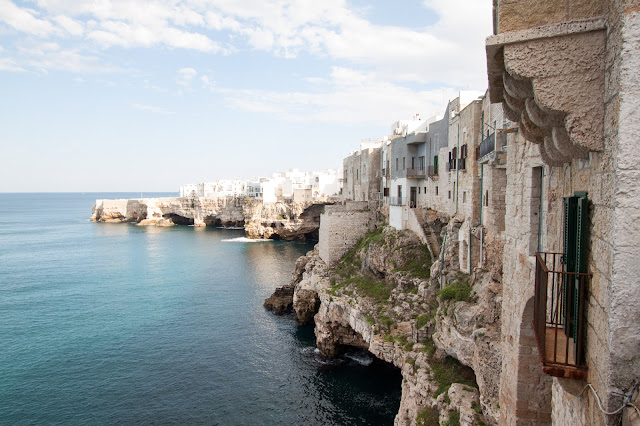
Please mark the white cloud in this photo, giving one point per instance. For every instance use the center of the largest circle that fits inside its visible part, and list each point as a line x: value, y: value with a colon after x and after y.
x: 351, y: 97
x: 206, y: 82
x: 451, y: 50
x: 45, y: 56
x: 185, y: 75
x: 23, y: 19
x: 71, y: 26
x: 154, y: 109
x: 8, y: 64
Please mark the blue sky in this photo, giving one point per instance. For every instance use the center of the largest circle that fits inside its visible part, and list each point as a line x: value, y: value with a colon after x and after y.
x: 132, y: 95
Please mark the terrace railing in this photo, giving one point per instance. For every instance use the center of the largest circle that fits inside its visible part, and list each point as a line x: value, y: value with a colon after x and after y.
x: 416, y: 173
x: 396, y: 201
x: 558, y: 317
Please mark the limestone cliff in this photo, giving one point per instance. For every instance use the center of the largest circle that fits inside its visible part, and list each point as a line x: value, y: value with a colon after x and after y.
x: 287, y: 221
x: 381, y: 297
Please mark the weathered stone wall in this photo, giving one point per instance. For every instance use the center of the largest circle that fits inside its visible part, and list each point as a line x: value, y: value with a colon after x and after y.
x: 609, y: 174
x: 341, y: 227
x: 494, y: 188
x: 362, y: 175
x: 524, y: 14
x: 468, y: 179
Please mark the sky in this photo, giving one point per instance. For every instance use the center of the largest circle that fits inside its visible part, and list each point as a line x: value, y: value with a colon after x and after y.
x: 132, y: 95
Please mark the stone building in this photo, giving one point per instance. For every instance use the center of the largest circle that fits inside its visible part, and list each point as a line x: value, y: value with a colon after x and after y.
x: 566, y: 72
x: 412, y: 167
x: 362, y: 174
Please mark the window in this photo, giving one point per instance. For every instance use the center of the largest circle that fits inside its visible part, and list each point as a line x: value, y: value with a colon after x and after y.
x: 486, y: 198
x: 404, y: 165
x: 425, y: 189
x: 357, y: 174
x: 397, y: 164
x: 418, y: 190
x: 464, y: 196
x: 449, y: 194
x: 436, y: 190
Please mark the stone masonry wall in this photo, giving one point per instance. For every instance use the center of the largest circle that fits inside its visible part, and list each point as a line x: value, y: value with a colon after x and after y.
x: 340, y: 229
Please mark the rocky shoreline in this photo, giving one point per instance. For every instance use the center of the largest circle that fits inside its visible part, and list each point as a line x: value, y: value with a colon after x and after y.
x: 287, y: 221
x: 384, y: 296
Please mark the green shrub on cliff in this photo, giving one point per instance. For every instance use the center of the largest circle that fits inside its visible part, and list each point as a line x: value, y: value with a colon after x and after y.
x: 419, y: 266
x: 427, y: 417
x: 454, y: 418
x: 458, y: 290
x: 449, y: 371
x: 378, y: 290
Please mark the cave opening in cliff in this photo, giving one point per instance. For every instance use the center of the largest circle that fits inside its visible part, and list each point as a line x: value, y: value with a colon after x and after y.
x: 178, y: 220
x: 355, y: 382
x: 212, y: 221
x: 312, y: 236
x: 275, y: 237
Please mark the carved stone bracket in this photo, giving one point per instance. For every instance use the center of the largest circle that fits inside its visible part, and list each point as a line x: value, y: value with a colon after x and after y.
x: 550, y: 80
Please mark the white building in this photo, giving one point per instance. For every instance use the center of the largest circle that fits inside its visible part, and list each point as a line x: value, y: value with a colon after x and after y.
x: 290, y: 185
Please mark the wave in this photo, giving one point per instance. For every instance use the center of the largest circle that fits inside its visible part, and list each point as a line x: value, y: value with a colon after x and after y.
x: 360, y: 358
x: 243, y: 240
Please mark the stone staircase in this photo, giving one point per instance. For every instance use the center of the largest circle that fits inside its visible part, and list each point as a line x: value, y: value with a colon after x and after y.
x: 428, y: 224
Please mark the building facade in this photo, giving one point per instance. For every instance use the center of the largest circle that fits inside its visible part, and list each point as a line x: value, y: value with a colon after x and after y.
x: 566, y: 73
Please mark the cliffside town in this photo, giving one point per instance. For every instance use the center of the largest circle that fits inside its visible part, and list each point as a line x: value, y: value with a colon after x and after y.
x: 491, y: 253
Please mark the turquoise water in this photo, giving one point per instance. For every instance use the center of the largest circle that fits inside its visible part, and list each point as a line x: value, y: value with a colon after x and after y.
x: 118, y: 324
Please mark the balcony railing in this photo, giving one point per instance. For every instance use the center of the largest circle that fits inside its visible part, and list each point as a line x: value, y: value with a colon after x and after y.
x: 488, y: 145
x: 396, y: 201
x: 462, y: 163
x: 558, y: 317
x: 416, y: 173
x: 432, y: 170
x: 451, y: 165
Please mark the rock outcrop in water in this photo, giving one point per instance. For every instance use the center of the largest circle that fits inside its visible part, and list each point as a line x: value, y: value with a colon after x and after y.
x: 383, y: 297
x: 286, y: 221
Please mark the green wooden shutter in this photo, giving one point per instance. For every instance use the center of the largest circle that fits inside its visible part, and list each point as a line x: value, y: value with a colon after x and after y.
x: 574, y: 256
x: 568, y: 258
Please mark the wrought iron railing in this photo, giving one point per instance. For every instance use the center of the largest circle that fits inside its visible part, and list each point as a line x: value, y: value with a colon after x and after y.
x: 396, y: 201
x: 432, y: 170
x: 488, y: 145
x: 558, y: 317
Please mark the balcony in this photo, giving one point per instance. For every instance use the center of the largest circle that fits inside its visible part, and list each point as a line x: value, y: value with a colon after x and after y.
x: 462, y: 163
x: 416, y: 173
x: 396, y: 201
x: 451, y: 164
x: 488, y: 145
x: 558, y: 317
x: 432, y: 170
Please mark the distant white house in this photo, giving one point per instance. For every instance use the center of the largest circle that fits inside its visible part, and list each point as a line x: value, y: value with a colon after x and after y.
x: 290, y: 185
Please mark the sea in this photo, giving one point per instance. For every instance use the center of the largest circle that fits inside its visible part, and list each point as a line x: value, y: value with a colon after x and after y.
x: 119, y: 324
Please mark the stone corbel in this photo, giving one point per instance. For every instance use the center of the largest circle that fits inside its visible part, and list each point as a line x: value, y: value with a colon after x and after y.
x: 550, y: 81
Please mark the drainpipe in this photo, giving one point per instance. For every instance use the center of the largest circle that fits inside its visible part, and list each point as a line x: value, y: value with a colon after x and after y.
x: 470, y: 261
x: 458, y: 164
x: 444, y: 245
x: 481, y: 187
x: 481, y: 243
